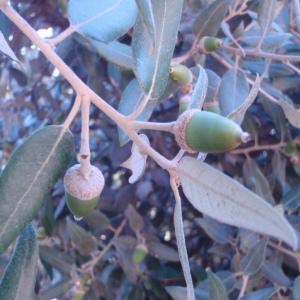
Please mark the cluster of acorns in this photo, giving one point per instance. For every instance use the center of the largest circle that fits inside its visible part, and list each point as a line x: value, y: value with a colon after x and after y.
x: 195, y: 131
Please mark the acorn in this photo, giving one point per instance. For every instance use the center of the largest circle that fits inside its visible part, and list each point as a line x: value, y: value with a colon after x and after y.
x: 210, y: 44
x: 212, y: 106
x: 139, y: 254
x: 82, y: 194
x: 203, y: 131
x: 181, y: 74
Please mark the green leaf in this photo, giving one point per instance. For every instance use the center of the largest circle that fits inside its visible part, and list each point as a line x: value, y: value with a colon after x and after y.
x: 83, y: 241
x: 296, y: 289
x: 263, y: 294
x: 219, y: 232
x: 135, y: 220
x: 209, y: 20
x: 105, y: 21
x: 224, y: 199
x: 19, y: 278
x: 130, y: 100
x: 56, y: 259
x: 5, y: 48
x: 179, y: 293
x: 182, y: 250
x: 147, y: 16
x: 216, y: 288
x: 200, y: 89
x: 28, y: 176
x: 257, y: 180
x: 115, y: 52
x: 233, y: 91
x: 239, y: 113
x: 253, y: 261
x: 153, y: 63
x: 291, y: 200
x: 274, y: 272
x: 291, y: 113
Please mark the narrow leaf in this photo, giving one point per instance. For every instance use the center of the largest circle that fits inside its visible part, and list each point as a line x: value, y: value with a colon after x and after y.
x: 182, y: 251
x: 162, y: 251
x: 153, y: 64
x: 5, y: 48
x: 253, y: 261
x: 103, y: 20
x: 19, y: 278
x: 274, y: 272
x: 216, y: 288
x: 83, y: 241
x: 27, y: 177
x: 209, y: 20
x: 115, y: 52
x: 291, y: 113
x: 239, y: 113
x: 179, y: 293
x: 233, y: 91
x: 147, y: 16
x: 135, y: 219
x: 220, y: 197
x: 199, y: 93
x: 137, y: 161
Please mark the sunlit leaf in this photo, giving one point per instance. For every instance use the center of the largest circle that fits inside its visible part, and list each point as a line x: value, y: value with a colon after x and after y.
x: 103, y: 20
x: 220, y: 197
x: 153, y: 63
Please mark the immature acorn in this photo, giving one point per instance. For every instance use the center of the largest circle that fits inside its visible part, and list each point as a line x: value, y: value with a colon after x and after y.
x: 139, y: 254
x: 210, y: 44
x: 181, y: 74
x: 82, y: 194
x: 203, y: 131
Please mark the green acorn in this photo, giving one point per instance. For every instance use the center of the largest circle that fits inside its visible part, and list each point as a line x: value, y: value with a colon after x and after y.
x: 210, y: 44
x: 82, y: 194
x: 203, y: 131
x: 139, y: 254
x: 181, y: 74
x: 212, y: 106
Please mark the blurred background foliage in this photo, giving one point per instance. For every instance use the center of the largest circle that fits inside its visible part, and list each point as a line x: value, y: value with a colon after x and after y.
x: 126, y: 249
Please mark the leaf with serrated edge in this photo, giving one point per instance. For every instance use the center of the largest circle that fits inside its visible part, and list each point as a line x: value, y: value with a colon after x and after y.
x: 239, y: 113
x: 220, y: 197
x: 137, y: 161
x: 153, y: 64
x: 199, y: 93
x: 209, y: 20
x: 105, y: 21
x: 19, y: 278
x: 28, y: 175
x: 5, y: 48
x: 291, y: 113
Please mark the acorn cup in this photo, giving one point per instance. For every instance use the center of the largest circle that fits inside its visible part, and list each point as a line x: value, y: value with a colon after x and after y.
x: 82, y: 194
x: 208, y: 132
x: 181, y: 74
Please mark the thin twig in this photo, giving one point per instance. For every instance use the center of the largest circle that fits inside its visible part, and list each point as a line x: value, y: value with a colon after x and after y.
x: 263, y: 54
x: 258, y: 148
x: 244, y: 286
x: 153, y: 125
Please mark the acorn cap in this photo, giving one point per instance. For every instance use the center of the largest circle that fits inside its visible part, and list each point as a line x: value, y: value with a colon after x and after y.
x: 77, y: 186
